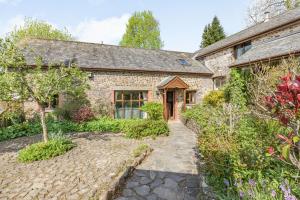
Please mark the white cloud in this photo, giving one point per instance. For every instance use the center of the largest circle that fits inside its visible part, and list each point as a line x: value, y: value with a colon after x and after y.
x: 12, y: 23
x: 109, y: 30
x: 12, y: 2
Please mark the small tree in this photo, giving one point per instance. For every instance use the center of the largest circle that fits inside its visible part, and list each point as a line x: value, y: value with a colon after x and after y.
x: 275, y: 93
x: 284, y: 104
x: 19, y: 82
x: 142, y: 32
x: 213, y: 33
x: 38, y: 29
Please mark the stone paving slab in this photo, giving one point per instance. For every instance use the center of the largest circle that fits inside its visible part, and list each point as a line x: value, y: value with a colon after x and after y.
x: 170, y: 172
x: 81, y: 173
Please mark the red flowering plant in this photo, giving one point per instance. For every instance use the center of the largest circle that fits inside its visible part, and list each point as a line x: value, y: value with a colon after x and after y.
x: 284, y: 104
x: 83, y: 114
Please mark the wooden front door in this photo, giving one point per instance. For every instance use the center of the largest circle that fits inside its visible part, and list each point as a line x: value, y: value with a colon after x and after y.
x: 171, y: 104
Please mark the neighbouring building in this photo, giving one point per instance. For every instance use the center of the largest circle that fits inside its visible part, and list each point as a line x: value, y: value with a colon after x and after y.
x: 272, y: 40
x: 123, y: 79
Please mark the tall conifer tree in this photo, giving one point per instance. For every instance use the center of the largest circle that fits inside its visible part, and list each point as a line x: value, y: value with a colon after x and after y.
x: 212, y: 33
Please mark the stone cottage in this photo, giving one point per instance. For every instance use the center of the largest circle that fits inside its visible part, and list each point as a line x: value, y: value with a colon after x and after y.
x: 124, y: 79
x: 272, y: 40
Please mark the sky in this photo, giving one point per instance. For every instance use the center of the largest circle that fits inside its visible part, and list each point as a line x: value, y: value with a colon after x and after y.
x: 181, y: 21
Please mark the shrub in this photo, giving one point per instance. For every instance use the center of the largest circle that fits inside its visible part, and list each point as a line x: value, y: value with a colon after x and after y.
x: 103, y: 124
x: 70, y: 107
x: 240, y: 155
x: 44, y: 151
x: 11, y: 113
x: 19, y: 130
x: 83, y: 114
x: 214, y: 98
x: 143, y: 128
x: 140, y: 150
x: 154, y: 110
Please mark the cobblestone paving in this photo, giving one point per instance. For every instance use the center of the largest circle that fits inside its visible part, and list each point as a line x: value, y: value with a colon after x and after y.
x: 79, y: 174
x: 170, y: 172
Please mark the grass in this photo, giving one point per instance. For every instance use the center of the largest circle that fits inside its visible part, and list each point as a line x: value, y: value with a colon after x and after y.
x: 140, y: 150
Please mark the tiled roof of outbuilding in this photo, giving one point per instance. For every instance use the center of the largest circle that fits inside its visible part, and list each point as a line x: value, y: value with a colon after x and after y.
x: 108, y: 57
x: 273, y: 23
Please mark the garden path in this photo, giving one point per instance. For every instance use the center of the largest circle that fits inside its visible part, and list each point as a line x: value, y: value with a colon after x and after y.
x: 170, y: 172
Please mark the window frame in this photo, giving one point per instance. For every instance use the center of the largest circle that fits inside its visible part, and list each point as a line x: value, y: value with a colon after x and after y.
x: 190, y: 97
x: 244, y: 47
x: 123, y: 101
x: 222, y: 81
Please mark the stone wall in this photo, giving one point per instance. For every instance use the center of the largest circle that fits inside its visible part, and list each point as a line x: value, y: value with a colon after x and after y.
x: 220, y: 61
x: 104, y: 84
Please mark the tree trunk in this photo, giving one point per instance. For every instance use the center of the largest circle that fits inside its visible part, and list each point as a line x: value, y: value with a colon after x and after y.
x: 43, y: 123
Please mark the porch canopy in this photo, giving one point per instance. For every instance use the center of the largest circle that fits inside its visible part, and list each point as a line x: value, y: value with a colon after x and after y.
x: 172, y: 83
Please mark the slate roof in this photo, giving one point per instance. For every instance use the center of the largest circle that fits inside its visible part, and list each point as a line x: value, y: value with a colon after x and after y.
x: 165, y: 81
x: 108, y: 57
x: 275, y: 22
x: 278, y: 47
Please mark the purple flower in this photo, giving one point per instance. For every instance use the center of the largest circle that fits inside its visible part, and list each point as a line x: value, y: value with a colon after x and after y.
x: 287, y: 192
x: 242, y: 194
x: 273, y: 193
x: 226, y: 182
x: 252, y: 182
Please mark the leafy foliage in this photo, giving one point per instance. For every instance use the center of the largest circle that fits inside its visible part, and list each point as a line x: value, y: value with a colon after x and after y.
x: 19, y: 82
x: 12, y: 113
x: 72, y: 105
x: 214, y: 98
x: 83, y: 114
x: 154, y: 110
x: 144, y: 128
x: 140, y: 150
x: 142, y: 32
x: 38, y: 29
x: 212, y: 33
x: 235, y: 91
x: 44, y: 151
x: 284, y: 104
x: 235, y: 142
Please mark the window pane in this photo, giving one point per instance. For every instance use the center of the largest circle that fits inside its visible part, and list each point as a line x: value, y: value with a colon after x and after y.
x: 135, y: 95
x: 135, y: 104
x: 118, y: 95
x: 128, y: 105
x: 127, y: 95
x: 119, y: 113
x: 193, y: 97
x: 136, y: 113
x: 144, y: 96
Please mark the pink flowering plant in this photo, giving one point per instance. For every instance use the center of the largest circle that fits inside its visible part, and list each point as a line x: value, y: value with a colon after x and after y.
x: 284, y: 104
